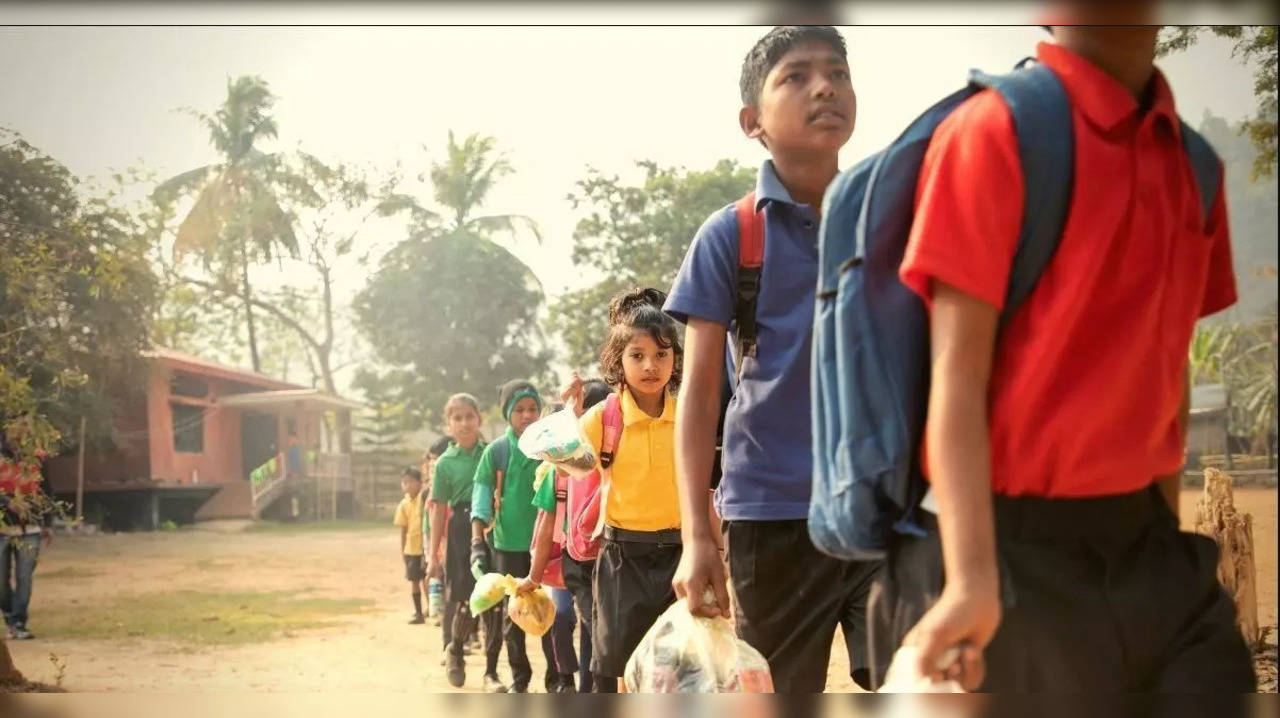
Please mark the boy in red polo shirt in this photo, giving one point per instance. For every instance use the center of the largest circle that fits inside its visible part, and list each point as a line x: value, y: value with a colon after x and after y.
x: 1054, y: 447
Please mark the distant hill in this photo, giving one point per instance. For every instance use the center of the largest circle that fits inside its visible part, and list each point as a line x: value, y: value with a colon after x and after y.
x: 1251, y: 207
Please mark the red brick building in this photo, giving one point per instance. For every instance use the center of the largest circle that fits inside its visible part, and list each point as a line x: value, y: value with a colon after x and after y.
x: 187, y: 443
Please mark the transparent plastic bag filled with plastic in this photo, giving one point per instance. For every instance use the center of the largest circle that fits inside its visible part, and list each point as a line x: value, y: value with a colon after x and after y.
x: 533, y: 612
x: 489, y: 591
x: 683, y: 653
x: 558, y: 439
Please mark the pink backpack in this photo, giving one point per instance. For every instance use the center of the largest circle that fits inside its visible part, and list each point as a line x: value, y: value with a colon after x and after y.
x: 586, y: 495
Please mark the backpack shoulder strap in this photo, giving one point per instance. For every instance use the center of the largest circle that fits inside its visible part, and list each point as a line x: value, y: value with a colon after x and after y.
x: 1041, y: 112
x: 1206, y: 168
x: 750, y: 262
x: 610, y: 429
x: 499, y: 458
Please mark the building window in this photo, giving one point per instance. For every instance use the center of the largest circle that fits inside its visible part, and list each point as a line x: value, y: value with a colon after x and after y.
x: 187, y: 385
x: 188, y: 428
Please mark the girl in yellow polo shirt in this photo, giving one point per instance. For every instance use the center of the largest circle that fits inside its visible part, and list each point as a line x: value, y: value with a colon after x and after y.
x: 641, y: 545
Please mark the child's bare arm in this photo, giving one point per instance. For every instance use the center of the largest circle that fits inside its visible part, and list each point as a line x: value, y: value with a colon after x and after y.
x: 542, y: 545
x: 404, y: 537
x: 963, y: 331
x: 1171, y: 484
x: 437, y: 537
x: 697, y: 412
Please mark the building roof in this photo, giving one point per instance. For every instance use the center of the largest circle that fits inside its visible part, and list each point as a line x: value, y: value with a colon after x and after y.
x: 204, y: 367
x: 307, y: 398
x: 1208, y: 398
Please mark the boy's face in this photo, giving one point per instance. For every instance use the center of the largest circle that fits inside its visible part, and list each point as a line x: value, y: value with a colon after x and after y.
x: 464, y: 426
x: 523, y: 414
x: 807, y: 104
x: 410, y: 485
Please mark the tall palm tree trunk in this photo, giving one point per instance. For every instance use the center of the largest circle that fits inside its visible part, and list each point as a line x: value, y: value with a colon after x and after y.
x: 248, y: 307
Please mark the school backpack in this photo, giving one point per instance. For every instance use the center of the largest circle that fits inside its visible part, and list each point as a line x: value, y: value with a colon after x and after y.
x: 553, y: 574
x: 746, y: 292
x: 586, y: 495
x: 871, y: 342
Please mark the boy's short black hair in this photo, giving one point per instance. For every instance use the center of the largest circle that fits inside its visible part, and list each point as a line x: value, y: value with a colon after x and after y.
x: 776, y: 43
x: 440, y: 446
x: 595, y: 391
x: 411, y: 473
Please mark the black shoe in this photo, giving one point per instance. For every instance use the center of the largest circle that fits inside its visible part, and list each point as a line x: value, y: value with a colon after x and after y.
x: 417, y: 620
x: 493, y: 685
x: 519, y: 688
x: 20, y: 633
x: 455, y: 670
x: 566, y: 684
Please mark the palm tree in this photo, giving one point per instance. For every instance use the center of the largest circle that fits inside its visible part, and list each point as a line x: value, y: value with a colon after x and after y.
x: 236, y: 219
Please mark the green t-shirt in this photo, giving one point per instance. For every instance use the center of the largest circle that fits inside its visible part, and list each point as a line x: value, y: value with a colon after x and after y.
x: 454, y: 471
x: 544, y: 491
x: 513, y: 530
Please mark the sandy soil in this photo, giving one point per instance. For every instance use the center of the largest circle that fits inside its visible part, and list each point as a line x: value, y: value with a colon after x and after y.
x: 369, y: 650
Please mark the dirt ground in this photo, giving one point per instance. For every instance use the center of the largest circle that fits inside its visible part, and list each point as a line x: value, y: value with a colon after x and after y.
x: 218, y: 609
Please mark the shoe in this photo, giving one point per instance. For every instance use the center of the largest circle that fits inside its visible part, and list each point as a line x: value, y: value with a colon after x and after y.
x: 493, y: 685
x: 417, y: 620
x: 22, y: 634
x: 456, y: 672
x: 519, y: 689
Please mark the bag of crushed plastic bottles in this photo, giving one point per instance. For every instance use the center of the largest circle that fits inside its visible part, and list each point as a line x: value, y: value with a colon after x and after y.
x: 490, y: 589
x: 533, y: 612
x: 558, y: 439
x: 684, y: 653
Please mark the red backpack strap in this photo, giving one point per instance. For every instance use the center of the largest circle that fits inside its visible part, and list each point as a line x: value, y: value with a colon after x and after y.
x: 750, y: 261
x: 610, y: 429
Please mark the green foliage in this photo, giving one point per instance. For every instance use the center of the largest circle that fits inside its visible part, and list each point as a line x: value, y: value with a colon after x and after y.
x: 636, y: 235
x: 76, y: 294
x: 448, y: 308
x: 1243, y: 357
x: 1255, y: 46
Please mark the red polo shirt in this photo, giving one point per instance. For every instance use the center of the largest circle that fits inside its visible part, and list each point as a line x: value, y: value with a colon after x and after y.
x: 1089, y: 373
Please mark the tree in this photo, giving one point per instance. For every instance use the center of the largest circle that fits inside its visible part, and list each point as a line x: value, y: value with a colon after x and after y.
x: 237, y: 219
x: 636, y: 235
x: 1254, y: 45
x: 448, y: 306
x: 75, y: 294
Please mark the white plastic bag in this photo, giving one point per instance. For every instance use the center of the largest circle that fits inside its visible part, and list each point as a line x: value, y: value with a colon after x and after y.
x: 904, y: 675
x: 557, y: 438
x: 683, y: 653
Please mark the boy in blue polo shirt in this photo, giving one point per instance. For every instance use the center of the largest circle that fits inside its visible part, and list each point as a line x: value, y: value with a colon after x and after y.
x: 798, y: 101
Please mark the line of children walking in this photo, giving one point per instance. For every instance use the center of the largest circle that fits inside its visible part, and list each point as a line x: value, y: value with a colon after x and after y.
x: 1044, y: 487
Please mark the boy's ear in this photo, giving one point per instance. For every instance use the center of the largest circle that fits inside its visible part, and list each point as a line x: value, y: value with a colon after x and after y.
x: 749, y: 120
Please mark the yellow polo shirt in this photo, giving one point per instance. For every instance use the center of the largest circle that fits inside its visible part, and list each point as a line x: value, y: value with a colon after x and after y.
x: 642, y: 493
x: 409, y: 516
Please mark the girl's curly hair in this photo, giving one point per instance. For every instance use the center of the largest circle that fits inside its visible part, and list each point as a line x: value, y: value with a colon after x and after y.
x: 632, y: 312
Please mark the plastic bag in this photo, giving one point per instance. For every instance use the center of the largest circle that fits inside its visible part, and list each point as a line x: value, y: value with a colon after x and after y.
x: 683, y: 653
x: 558, y: 439
x: 533, y: 612
x: 489, y: 591
x: 904, y: 676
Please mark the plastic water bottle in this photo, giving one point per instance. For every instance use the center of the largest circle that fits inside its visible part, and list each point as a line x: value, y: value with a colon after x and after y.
x: 435, y: 598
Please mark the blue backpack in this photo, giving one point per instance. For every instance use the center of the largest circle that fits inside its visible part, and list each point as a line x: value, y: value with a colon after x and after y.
x: 871, y: 357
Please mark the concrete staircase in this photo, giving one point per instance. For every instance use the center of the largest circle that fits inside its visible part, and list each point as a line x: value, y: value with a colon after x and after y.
x: 233, y: 501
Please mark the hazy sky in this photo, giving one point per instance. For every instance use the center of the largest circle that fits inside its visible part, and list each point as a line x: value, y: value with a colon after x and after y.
x: 557, y: 99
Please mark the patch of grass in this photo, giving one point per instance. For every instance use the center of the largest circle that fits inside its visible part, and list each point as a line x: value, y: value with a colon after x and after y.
x: 314, y: 526
x: 67, y: 572
x: 197, y: 617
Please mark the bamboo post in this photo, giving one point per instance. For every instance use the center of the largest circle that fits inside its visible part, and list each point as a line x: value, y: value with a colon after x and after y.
x: 80, y: 475
x: 1217, y: 518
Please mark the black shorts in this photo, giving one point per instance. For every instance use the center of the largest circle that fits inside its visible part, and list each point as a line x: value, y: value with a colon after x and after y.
x: 414, y: 569
x: 789, y: 597
x: 632, y: 588
x: 458, y: 581
x: 1101, y: 595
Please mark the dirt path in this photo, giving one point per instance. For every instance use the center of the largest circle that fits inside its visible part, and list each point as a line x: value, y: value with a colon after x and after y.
x: 366, y: 646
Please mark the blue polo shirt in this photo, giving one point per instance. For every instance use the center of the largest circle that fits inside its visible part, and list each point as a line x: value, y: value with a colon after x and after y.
x: 767, y: 460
